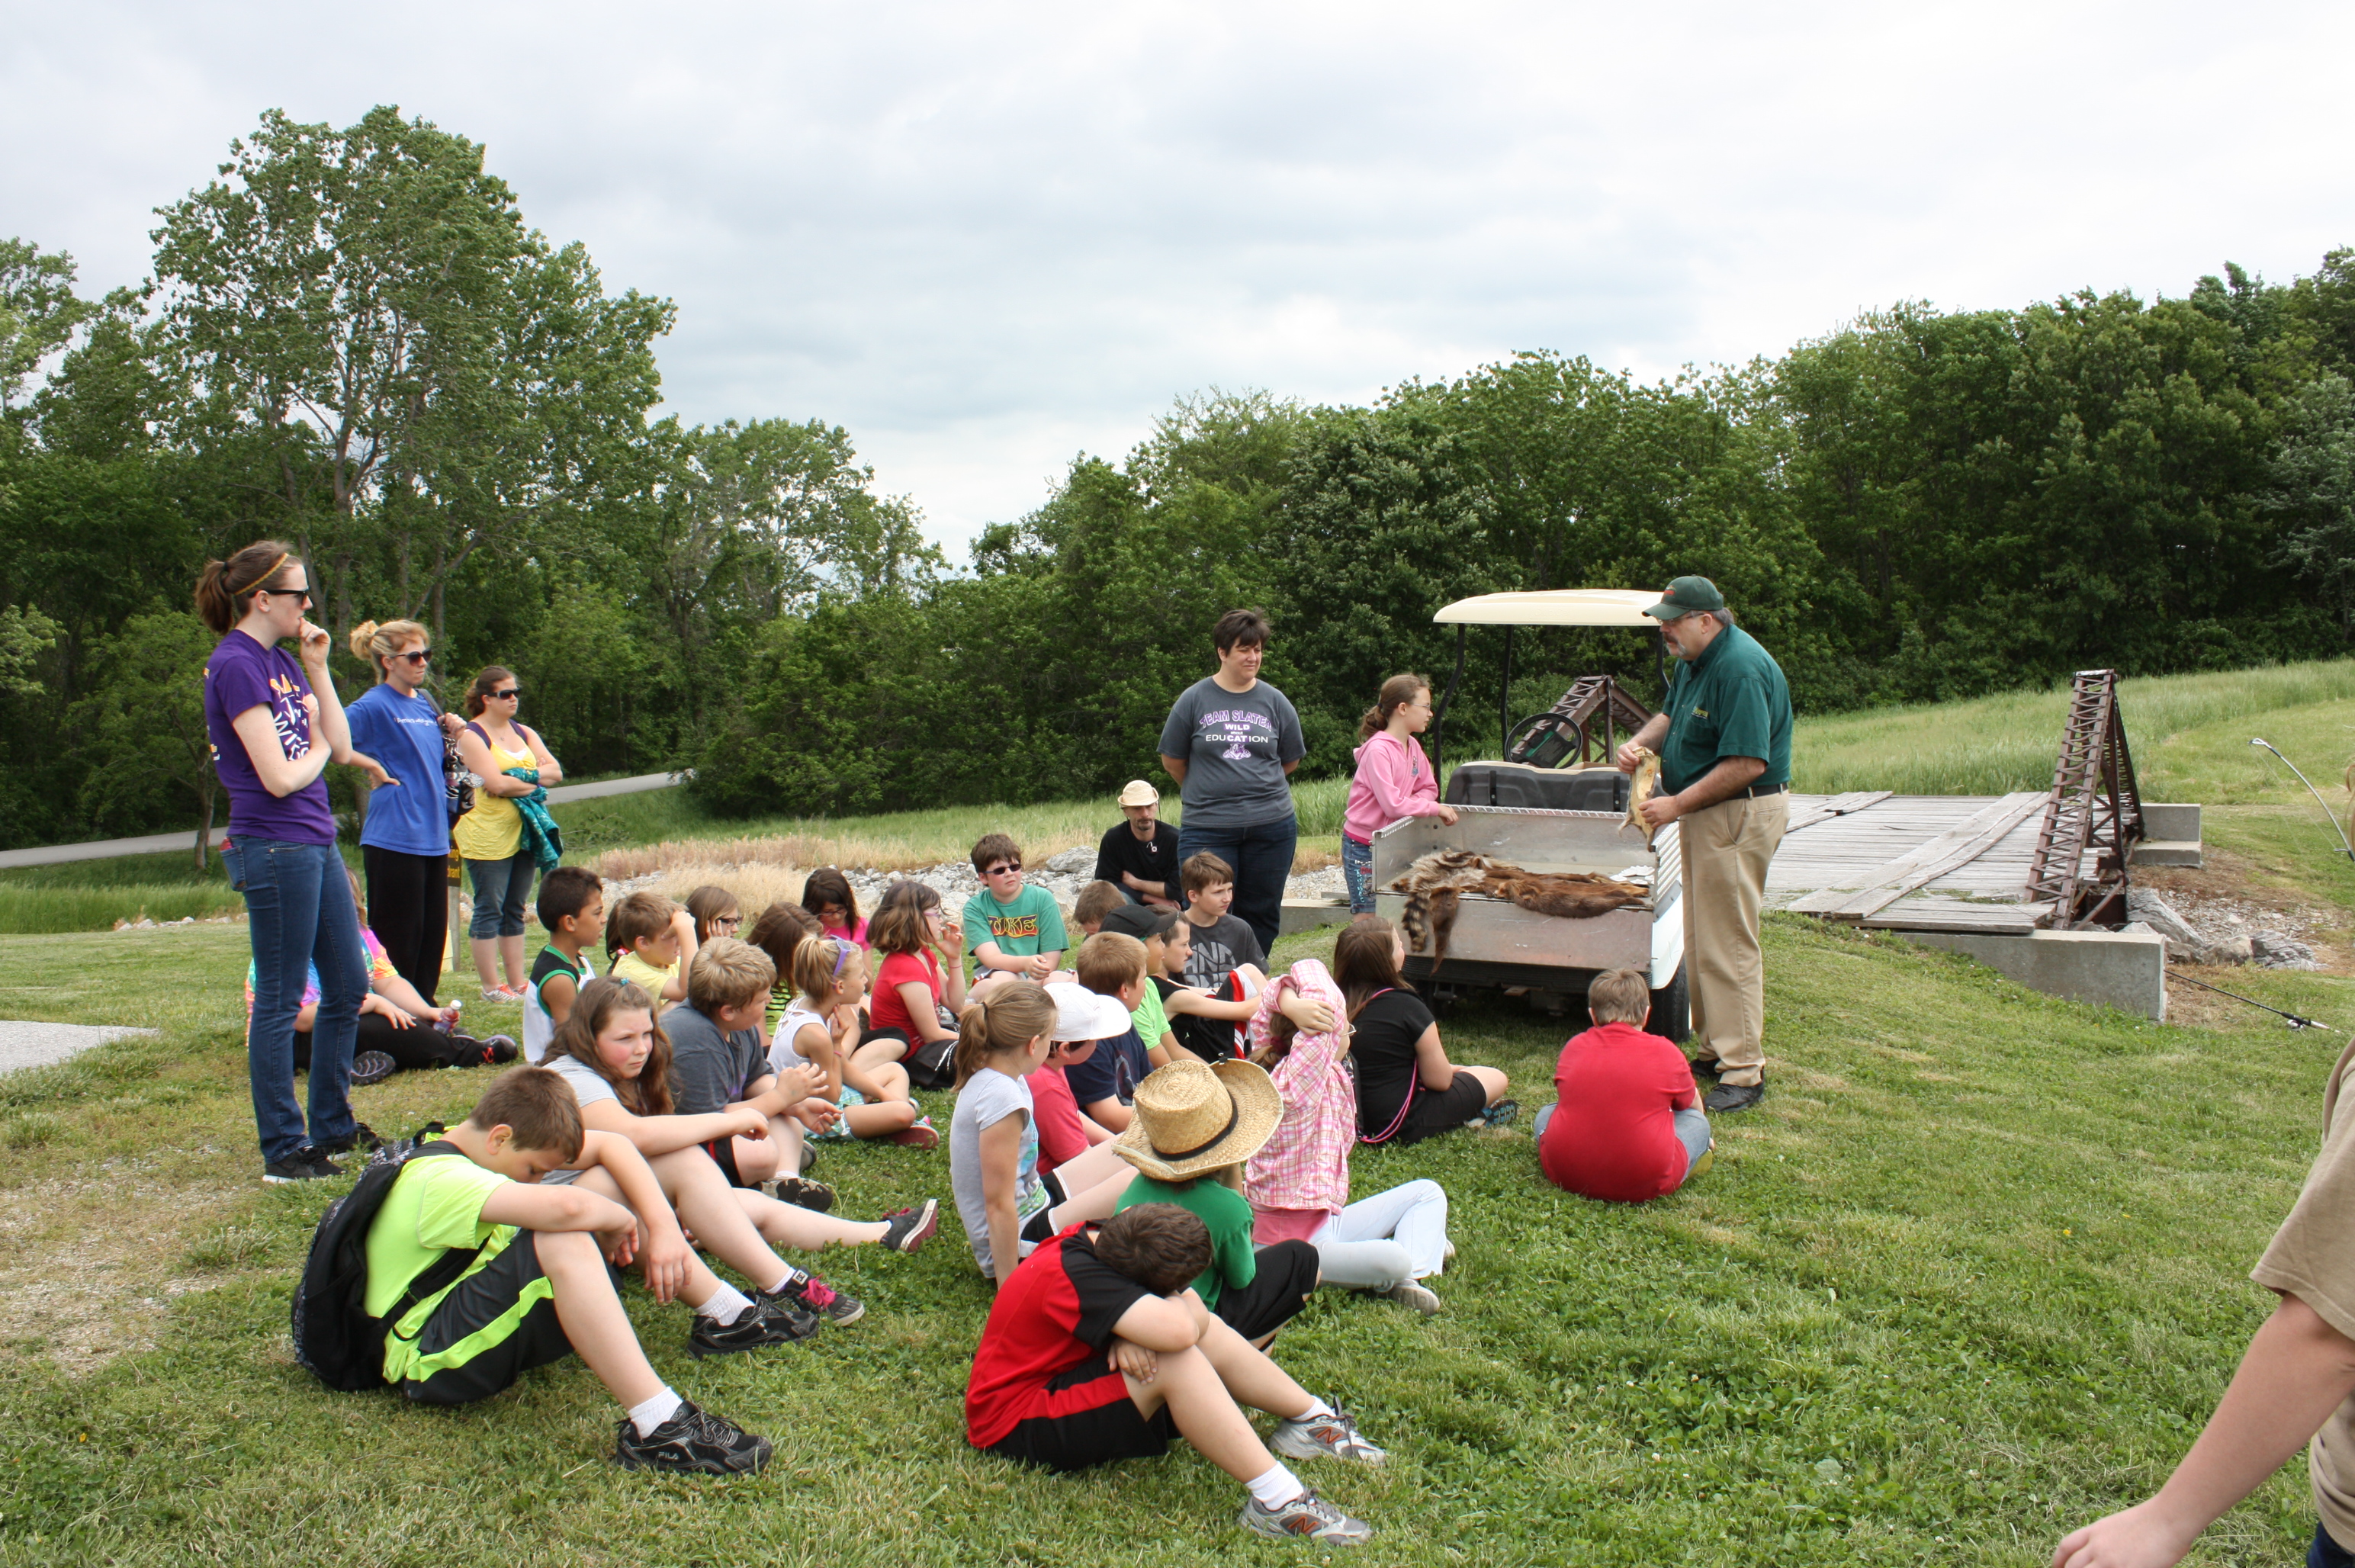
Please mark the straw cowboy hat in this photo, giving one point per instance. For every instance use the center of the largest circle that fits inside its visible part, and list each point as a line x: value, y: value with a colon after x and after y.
x: 1192, y: 1116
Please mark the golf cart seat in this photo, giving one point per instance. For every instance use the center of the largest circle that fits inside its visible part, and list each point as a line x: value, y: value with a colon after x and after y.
x: 1544, y: 789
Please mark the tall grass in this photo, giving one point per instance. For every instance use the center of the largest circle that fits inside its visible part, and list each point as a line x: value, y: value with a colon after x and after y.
x: 38, y: 911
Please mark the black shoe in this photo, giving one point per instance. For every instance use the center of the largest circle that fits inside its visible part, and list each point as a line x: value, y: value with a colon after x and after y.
x: 1500, y: 1113
x: 801, y: 1191
x: 498, y: 1050
x: 770, y: 1321
x: 905, y: 1230
x: 691, y: 1442
x: 372, y: 1067
x: 1728, y: 1098
x: 306, y: 1164
x: 1705, y: 1066
x: 361, y: 1136
x: 807, y: 1294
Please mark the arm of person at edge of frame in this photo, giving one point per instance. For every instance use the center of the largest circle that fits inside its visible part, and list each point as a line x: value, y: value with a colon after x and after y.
x: 2297, y: 1370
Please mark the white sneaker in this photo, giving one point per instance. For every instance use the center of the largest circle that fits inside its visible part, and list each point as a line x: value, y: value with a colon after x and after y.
x: 1415, y: 1294
x: 1333, y: 1437
x: 1307, y: 1516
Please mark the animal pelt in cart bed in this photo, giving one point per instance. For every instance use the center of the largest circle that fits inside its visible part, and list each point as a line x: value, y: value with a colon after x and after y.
x: 1435, y: 884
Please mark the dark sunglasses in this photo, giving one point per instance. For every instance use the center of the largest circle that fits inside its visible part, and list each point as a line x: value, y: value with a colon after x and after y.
x: 302, y: 592
x: 1007, y: 865
x: 508, y: 695
x: 419, y: 656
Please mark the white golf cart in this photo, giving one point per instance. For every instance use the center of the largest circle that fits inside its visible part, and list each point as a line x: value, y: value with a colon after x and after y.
x: 1555, y: 804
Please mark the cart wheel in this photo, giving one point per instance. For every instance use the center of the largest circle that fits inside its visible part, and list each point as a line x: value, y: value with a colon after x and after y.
x: 1672, y: 1010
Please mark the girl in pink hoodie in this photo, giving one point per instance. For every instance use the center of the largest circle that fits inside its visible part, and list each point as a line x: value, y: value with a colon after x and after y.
x: 1394, y: 780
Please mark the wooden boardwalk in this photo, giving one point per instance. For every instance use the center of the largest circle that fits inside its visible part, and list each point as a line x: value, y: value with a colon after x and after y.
x: 1912, y: 862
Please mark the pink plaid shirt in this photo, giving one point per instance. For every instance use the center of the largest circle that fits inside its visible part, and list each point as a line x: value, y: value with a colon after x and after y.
x: 1306, y: 1164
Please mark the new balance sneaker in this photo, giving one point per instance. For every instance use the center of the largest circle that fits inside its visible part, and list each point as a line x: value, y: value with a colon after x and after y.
x: 372, y: 1067
x: 801, y: 1191
x: 306, y: 1164
x: 691, y: 1442
x: 923, y: 1135
x: 770, y: 1322
x: 905, y: 1230
x: 1306, y: 1518
x: 361, y: 1136
x: 809, y: 1293
x: 1334, y: 1436
x: 1415, y: 1294
x: 1500, y: 1113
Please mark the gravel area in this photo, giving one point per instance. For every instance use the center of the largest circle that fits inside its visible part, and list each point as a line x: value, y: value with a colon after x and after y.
x: 40, y: 1044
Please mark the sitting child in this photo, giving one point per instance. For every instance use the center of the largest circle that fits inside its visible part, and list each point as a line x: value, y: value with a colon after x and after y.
x: 1195, y: 1125
x: 1095, y: 1351
x: 1626, y: 1124
x: 715, y: 911
x: 720, y: 1059
x: 1151, y: 927
x: 922, y: 973
x: 1096, y: 901
x: 1222, y: 946
x: 617, y: 1060
x: 827, y: 894
x: 1113, y: 966
x: 538, y: 1287
x: 572, y: 911
x: 1082, y: 1019
x: 1007, y: 1204
x: 1015, y: 930
x: 869, y: 1098
x: 1211, y: 1027
x: 652, y: 940
x: 1407, y: 1089
x: 777, y: 931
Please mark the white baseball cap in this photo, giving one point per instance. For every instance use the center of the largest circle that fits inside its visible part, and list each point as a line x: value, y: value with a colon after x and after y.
x: 1082, y: 1014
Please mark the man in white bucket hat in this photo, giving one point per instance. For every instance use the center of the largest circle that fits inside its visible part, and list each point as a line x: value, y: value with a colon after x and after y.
x: 1139, y: 856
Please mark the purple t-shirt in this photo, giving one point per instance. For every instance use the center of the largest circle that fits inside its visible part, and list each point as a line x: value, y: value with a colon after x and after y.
x: 242, y: 674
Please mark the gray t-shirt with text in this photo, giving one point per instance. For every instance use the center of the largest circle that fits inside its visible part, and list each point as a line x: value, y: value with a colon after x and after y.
x: 1234, y: 745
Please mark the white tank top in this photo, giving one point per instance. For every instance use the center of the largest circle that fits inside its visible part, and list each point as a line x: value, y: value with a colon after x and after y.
x: 782, y: 1054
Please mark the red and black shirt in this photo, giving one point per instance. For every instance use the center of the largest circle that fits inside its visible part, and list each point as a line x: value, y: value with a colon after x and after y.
x: 1058, y: 1311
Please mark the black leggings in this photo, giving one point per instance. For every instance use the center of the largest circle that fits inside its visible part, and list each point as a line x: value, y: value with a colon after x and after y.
x: 417, y: 1048
x: 408, y: 910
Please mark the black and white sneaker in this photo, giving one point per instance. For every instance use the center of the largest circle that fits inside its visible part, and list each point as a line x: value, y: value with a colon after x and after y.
x: 1306, y: 1518
x: 808, y: 1293
x: 800, y: 1190
x: 905, y: 1230
x: 692, y: 1443
x: 306, y: 1164
x: 770, y: 1322
x: 372, y: 1067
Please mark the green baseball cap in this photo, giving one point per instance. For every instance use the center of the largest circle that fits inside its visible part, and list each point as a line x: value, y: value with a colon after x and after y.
x: 1684, y: 596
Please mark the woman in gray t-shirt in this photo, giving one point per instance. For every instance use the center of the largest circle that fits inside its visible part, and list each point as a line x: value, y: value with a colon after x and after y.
x: 1232, y: 741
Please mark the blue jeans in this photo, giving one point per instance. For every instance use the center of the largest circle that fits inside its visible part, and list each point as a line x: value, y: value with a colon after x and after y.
x: 501, y: 887
x: 1261, y: 857
x: 299, y: 912
x: 1691, y: 1130
x: 1358, y: 871
x: 2326, y: 1552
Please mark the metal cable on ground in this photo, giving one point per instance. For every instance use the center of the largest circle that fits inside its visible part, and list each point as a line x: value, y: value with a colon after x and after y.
x: 2294, y: 1020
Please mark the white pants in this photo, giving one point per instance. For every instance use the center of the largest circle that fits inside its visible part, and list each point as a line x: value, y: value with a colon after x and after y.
x: 1386, y: 1240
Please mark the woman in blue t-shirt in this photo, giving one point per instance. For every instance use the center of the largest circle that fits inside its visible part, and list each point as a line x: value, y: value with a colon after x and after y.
x: 266, y: 715
x: 405, y: 842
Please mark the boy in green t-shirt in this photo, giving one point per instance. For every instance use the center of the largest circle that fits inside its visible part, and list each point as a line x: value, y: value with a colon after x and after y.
x: 1195, y: 1125
x: 1015, y: 930
x: 552, y: 1208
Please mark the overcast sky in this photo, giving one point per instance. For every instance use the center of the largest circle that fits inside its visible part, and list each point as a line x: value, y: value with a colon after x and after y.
x: 984, y: 238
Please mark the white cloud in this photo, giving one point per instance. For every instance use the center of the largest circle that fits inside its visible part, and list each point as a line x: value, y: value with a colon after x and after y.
x: 984, y: 237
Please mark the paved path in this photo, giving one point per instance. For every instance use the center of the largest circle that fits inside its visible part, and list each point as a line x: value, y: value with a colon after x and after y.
x: 39, y: 1045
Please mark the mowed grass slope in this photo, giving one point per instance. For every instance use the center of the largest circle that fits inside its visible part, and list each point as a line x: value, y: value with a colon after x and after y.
x: 1975, y: 1272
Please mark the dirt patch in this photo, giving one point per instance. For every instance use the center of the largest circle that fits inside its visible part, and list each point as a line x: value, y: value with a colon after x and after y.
x: 2226, y: 899
x: 93, y: 1263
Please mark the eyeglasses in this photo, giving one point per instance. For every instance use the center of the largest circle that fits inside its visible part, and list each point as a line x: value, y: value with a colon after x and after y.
x: 719, y: 922
x: 1001, y: 870
x: 419, y: 657
x: 509, y: 695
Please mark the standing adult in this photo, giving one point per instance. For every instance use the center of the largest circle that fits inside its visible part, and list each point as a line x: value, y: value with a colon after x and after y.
x: 405, y: 842
x: 1724, y: 744
x: 1232, y: 741
x: 1394, y: 780
x: 1140, y: 855
x: 276, y: 724
x: 490, y: 838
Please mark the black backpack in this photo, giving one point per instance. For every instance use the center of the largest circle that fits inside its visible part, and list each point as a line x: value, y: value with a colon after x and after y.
x: 334, y: 1337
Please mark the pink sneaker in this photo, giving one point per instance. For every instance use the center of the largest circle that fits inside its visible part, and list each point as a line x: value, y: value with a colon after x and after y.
x: 924, y: 1135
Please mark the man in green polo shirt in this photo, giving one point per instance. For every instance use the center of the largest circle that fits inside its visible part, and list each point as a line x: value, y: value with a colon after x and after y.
x: 1724, y: 742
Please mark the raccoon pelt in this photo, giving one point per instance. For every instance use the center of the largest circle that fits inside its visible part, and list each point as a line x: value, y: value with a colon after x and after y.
x: 1428, y: 922
x: 1534, y: 895
x: 1435, y: 885
x: 1647, y: 781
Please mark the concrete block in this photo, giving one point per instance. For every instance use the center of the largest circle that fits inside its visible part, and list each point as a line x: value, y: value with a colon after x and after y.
x: 2126, y: 970
x: 2167, y: 852
x: 1308, y: 914
x: 2178, y: 822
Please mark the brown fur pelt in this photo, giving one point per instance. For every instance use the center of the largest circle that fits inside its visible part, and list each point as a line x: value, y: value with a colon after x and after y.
x: 1647, y: 781
x: 1435, y: 885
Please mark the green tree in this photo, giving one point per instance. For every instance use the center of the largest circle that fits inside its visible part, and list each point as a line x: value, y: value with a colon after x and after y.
x: 38, y: 313
x: 143, y: 726
x: 2313, y: 491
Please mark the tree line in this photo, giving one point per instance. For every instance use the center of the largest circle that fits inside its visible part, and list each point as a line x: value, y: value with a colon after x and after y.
x: 353, y: 340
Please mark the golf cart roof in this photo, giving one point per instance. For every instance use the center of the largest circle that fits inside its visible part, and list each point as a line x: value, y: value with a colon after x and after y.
x: 1554, y: 607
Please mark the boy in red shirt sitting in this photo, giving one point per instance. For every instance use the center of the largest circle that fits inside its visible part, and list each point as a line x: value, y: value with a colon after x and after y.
x: 1627, y: 1124
x: 1098, y: 1350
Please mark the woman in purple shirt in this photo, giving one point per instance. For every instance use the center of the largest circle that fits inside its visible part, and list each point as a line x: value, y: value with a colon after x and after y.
x: 267, y: 716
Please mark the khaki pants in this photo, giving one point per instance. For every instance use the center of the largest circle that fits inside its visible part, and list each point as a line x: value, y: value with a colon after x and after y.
x: 1726, y: 850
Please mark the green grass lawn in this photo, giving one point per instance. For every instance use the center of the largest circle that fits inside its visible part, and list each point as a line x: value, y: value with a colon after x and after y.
x: 1974, y: 1273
